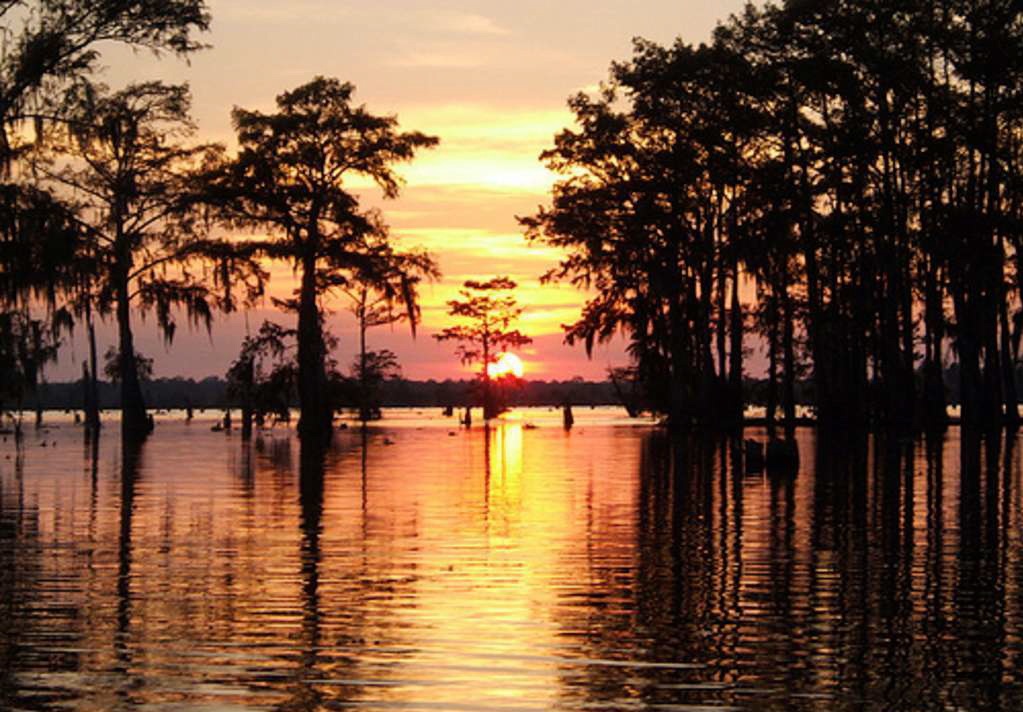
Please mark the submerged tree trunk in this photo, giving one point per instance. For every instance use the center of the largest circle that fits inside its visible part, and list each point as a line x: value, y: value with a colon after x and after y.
x: 771, y: 406
x: 681, y: 389
x: 134, y: 420
x: 935, y: 417
x: 92, y: 422
x: 488, y: 398
x: 735, y: 353
x: 1011, y: 398
x: 968, y: 351
x: 908, y: 355
x: 86, y: 396
x: 248, y: 377
x: 718, y: 381
x: 992, y: 381
x: 364, y: 407
x: 789, y: 366
x: 316, y: 417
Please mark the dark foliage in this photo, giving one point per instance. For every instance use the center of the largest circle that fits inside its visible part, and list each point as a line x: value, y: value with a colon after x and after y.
x: 163, y: 393
x: 289, y: 180
x: 856, y: 164
x: 51, y: 49
x: 262, y: 380
x: 136, y: 194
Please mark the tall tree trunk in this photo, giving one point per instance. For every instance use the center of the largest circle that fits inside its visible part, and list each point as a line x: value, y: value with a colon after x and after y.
x: 682, y: 373
x: 721, y: 335
x: 909, y: 387
x: 935, y: 417
x: 134, y: 420
x: 772, y: 366
x: 249, y: 381
x: 488, y: 397
x: 39, y: 407
x: 789, y: 366
x: 710, y: 409
x: 971, y: 409
x: 993, y: 396
x: 735, y: 353
x: 92, y: 422
x: 363, y: 385
x: 1008, y: 369
x: 316, y: 418
x: 86, y: 397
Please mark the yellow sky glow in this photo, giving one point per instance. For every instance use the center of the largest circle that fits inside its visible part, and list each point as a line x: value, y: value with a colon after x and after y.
x: 489, y: 79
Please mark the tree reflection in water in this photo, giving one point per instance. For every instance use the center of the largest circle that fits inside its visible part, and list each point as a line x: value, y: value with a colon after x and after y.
x: 842, y: 588
x: 124, y: 647
x: 312, y: 462
x: 602, y: 568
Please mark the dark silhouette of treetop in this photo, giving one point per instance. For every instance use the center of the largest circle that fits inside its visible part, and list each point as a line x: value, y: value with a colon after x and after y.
x: 261, y: 379
x: 376, y: 299
x: 119, y: 161
x: 50, y: 51
x: 289, y: 179
x: 55, y: 46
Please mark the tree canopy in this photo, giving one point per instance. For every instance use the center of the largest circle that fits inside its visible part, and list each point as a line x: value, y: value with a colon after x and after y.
x: 852, y: 166
x: 51, y: 46
x: 288, y: 179
x: 120, y: 165
x: 51, y: 50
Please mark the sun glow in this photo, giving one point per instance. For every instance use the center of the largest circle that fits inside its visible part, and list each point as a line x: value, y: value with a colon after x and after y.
x: 507, y: 364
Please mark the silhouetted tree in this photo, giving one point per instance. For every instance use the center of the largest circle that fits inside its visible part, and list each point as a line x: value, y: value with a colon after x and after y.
x: 38, y: 238
x: 628, y: 388
x: 858, y: 162
x: 52, y: 45
x: 136, y: 198
x: 112, y: 367
x: 262, y: 379
x: 375, y: 299
x: 26, y: 346
x: 369, y: 371
x: 51, y: 49
x: 289, y: 179
x: 489, y: 309
x: 646, y: 211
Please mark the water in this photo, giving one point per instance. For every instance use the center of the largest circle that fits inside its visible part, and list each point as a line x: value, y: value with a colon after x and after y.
x: 429, y: 568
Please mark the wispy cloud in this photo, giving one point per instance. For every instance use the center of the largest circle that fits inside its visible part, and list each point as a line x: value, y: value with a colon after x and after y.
x: 463, y: 23
x: 460, y: 40
x: 292, y: 12
x: 437, y: 59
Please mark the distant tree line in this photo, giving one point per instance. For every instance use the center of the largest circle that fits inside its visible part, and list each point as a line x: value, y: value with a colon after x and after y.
x: 855, y: 164
x: 216, y: 392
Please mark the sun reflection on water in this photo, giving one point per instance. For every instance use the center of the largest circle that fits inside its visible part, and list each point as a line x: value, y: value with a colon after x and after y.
x: 518, y: 566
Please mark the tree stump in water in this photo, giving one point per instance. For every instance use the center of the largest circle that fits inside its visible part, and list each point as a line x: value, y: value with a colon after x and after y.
x: 782, y: 457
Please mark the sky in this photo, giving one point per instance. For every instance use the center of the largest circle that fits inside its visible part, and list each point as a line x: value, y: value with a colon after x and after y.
x: 490, y: 79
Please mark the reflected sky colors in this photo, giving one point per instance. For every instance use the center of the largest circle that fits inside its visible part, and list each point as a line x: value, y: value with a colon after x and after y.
x: 424, y: 567
x: 490, y: 79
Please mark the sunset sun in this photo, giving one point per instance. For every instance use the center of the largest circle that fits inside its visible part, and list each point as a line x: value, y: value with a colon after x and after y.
x: 507, y: 365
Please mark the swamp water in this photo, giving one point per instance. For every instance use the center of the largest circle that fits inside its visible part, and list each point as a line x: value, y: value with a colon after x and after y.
x: 425, y: 567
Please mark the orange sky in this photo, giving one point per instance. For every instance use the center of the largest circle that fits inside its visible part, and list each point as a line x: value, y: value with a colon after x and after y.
x: 490, y: 79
